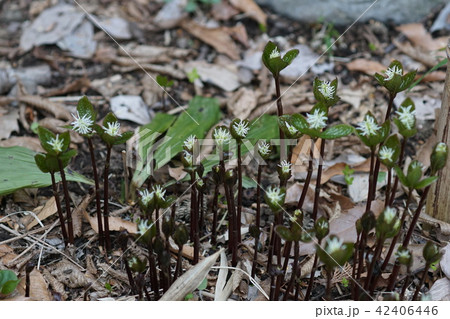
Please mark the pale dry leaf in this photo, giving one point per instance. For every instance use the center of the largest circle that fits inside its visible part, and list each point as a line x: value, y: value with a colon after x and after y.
x: 222, y: 277
x: 232, y: 283
x: 223, y: 11
x: 187, y: 251
x: 54, y: 283
x: 224, y: 77
x: 38, y: 287
x: 440, y: 291
x: 178, y: 173
x: 153, y: 52
x: 239, y: 33
x: 250, y: 8
x: 445, y: 261
x: 115, y: 224
x: 419, y: 36
x: 307, y: 266
x: 443, y: 226
x: 427, y: 58
x: 190, y: 280
x: 218, y: 38
x: 366, y: 66
x: 6, y: 255
x: 77, y: 85
x: 57, y: 109
x: 31, y: 143
x: 77, y: 214
x: 48, y: 210
x: 243, y: 102
x: 116, y: 274
x: 8, y: 122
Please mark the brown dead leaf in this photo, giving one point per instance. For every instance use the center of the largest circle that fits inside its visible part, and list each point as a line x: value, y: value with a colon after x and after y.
x: 187, y: 251
x: 293, y: 195
x: 420, y: 37
x: 57, y: 109
x: 300, y: 154
x: 243, y: 102
x: 435, y: 76
x: 250, y: 8
x: 77, y: 214
x: 6, y: 254
x: 57, y: 286
x: 223, y: 11
x: 32, y: 143
x: 367, y: 66
x: 115, y: 223
x: 443, y: 226
x: 417, y: 53
x: 8, y: 122
x: 155, y: 53
x: 42, y: 213
x: 78, y: 85
x: 38, y: 287
x: 218, y: 38
x: 177, y: 172
x: 239, y: 33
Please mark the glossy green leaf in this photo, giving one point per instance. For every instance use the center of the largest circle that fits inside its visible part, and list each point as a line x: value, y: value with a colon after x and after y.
x: 426, y: 182
x: 8, y: 282
x: 337, y: 131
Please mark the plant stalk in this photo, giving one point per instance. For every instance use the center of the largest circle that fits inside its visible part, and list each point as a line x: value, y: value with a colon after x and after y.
x: 106, y: 199
x: 67, y: 200
x: 301, y: 201
x: 318, y: 181
x: 422, y: 280
x: 258, y: 219
x: 59, y: 209
x: 239, y: 203
x: 101, y: 238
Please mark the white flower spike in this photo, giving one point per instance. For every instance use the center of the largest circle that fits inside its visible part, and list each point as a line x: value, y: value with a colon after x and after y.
x: 441, y: 148
x: 285, y: 167
x: 274, y: 194
x: 327, y: 90
x: 389, y: 214
x: 143, y: 227
x: 334, y: 244
x: 222, y: 136
x: 189, y: 143
x: 82, y: 124
x: 386, y: 153
x: 146, y: 196
x: 56, y: 143
x: 264, y: 148
x: 292, y: 130
x: 404, y: 253
x: 112, y: 129
x: 406, y: 116
x: 241, y: 128
x: 368, y: 127
x: 391, y: 71
x: 317, y: 120
x: 274, y: 54
x: 159, y: 191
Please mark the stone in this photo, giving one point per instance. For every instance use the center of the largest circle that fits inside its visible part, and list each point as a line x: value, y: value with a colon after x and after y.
x: 345, y: 12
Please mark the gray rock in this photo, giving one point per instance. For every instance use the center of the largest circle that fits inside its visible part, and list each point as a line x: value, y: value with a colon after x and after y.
x: 344, y: 12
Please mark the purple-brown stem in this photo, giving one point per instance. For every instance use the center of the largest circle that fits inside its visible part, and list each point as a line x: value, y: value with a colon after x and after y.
x: 67, y: 200
x: 178, y: 266
x: 371, y: 179
x: 258, y: 218
x: 153, y: 271
x: 311, y: 277
x: 294, y: 269
x: 394, y: 275
x: 388, y: 188
x: 106, y: 199
x: 239, y: 203
x: 194, y: 220
x: 279, y: 113
x: 59, y: 209
x: 308, y: 177
x: 130, y: 278
x: 376, y: 255
x: 400, y: 161
x: 422, y: 280
x: 318, y: 181
x: 97, y: 193
x: 214, y: 211
x: 405, y: 284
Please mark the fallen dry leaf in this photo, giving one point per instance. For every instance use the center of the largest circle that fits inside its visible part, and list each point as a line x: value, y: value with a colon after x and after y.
x: 243, y: 102
x: 81, y: 84
x: 115, y: 223
x: 218, y: 38
x: 440, y: 291
x: 42, y: 213
x: 6, y: 254
x: 224, y: 77
x: 419, y: 36
x: 58, y: 110
x: 38, y: 287
x: 32, y: 143
x: 178, y: 173
x: 367, y: 66
x: 445, y: 261
x: 8, y: 122
x: 250, y: 8
x: 77, y: 214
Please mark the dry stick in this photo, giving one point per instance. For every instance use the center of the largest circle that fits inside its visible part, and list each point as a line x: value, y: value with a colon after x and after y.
x: 239, y: 203
x: 59, y: 209
x: 106, y: 199
x: 294, y: 270
x: 400, y: 161
x: 311, y: 277
x: 407, y: 238
x: 97, y: 194
x: 67, y: 200
x: 258, y: 219
x: 308, y: 177
x: 394, y: 240
x: 422, y: 280
x: 318, y: 182
x: 214, y: 211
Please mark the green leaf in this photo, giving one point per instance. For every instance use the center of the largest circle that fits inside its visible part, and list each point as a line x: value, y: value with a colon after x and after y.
x: 108, y: 286
x: 381, y: 177
x: 45, y: 136
x: 290, y: 56
x: 426, y: 182
x: 8, y: 282
x: 203, y: 285
x: 19, y: 170
x: 193, y: 75
x: 337, y: 131
x: 199, y: 117
x: 284, y: 232
x: 248, y: 182
x: 401, y: 176
x: 434, y: 68
x: 41, y: 162
x: 122, y: 139
x: 85, y: 107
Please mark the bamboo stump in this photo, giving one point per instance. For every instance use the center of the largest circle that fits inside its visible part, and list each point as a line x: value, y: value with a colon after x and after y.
x: 438, y: 201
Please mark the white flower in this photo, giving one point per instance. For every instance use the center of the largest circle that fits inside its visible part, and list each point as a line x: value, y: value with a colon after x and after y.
x: 285, y: 167
x: 368, y: 127
x: 386, y: 153
x: 441, y: 148
x: 297, y: 214
x: 222, y: 136
x: 403, y: 253
x: 56, y: 143
x: 327, y: 90
x: 146, y: 196
x: 241, y: 128
x: 317, y: 120
x: 132, y: 261
x: 334, y: 244
x: 143, y: 227
x: 406, y: 116
x: 274, y: 54
x: 274, y: 194
x: 391, y: 71
x: 292, y: 130
x: 323, y: 224
x: 389, y: 214
x: 190, y: 142
x: 82, y: 124
x: 416, y: 165
x: 200, y: 183
x: 264, y: 148
x: 188, y: 157
x: 159, y: 191
x: 112, y: 129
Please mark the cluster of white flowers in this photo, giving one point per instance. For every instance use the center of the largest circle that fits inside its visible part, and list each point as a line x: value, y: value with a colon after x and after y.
x: 368, y: 127
x: 274, y: 194
x: 441, y: 147
x: 241, y: 128
x: 56, y: 143
x: 222, y: 136
x: 274, y: 54
x: 264, y: 148
x: 112, y: 129
x: 143, y: 227
x: 159, y: 191
x: 292, y: 130
x: 403, y: 253
x: 146, y: 196
x: 416, y: 165
x: 389, y: 214
x: 82, y: 124
x: 327, y: 90
x: 406, y: 116
x: 334, y: 244
x: 285, y: 167
x: 391, y: 71
x: 323, y: 224
x: 317, y: 120
x: 189, y: 143
x: 386, y: 153
x: 188, y: 157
